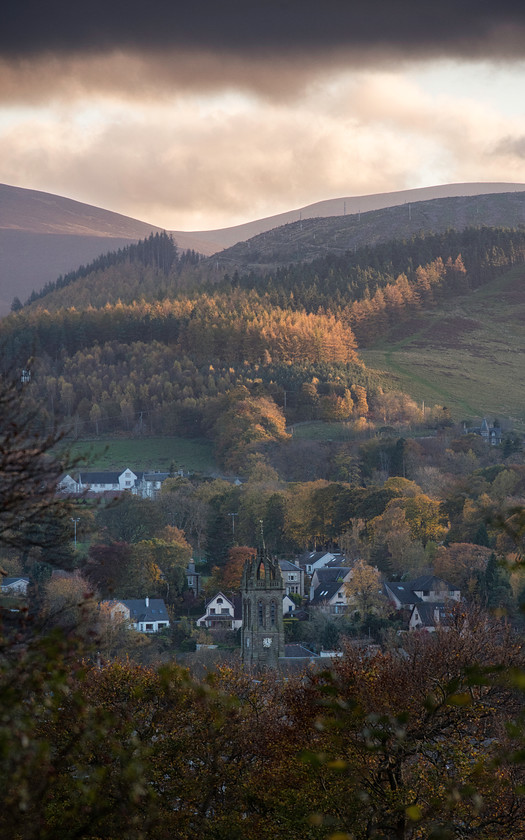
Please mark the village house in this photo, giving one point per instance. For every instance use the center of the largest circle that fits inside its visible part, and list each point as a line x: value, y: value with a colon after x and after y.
x: 14, y: 585
x: 490, y: 432
x: 293, y: 577
x: 148, y: 484
x: 328, y: 591
x: 146, y: 615
x: 222, y: 612
x: 193, y: 579
x: 312, y: 560
x: 429, y: 616
x: 427, y: 600
x: 422, y: 589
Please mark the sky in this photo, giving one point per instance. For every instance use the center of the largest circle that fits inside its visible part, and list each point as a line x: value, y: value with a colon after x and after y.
x: 210, y: 113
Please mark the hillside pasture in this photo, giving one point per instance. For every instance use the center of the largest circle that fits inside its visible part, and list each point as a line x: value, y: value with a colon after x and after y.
x: 467, y: 354
x: 145, y: 453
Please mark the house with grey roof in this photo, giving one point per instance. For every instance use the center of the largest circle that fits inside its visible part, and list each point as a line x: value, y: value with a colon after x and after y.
x: 312, y: 560
x: 429, y: 616
x: 148, y: 484
x: 222, y: 612
x: 14, y: 585
x: 293, y: 576
x: 427, y: 599
x: 330, y: 597
x: 146, y: 615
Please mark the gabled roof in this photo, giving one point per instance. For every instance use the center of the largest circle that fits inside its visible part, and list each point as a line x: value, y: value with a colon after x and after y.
x: 155, y: 611
x: 325, y: 592
x: 432, y: 583
x: 403, y: 592
x: 427, y: 612
x: 332, y: 573
x: 219, y: 595
x: 99, y: 477
x: 8, y: 581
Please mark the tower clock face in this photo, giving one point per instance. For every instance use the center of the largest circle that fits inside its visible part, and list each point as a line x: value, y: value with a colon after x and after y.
x: 267, y: 642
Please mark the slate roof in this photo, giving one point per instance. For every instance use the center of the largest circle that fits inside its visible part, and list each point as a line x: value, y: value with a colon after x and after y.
x: 427, y: 613
x: 99, y: 477
x: 325, y: 591
x: 331, y: 573
x: 156, y: 611
x: 404, y: 592
x: 431, y: 582
x: 295, y: 651
x: 286, y: 566
x: 8, y: 581
x: 154, y: 476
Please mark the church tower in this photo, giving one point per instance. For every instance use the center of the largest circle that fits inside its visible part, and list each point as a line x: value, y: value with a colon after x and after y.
x: 262, y: 591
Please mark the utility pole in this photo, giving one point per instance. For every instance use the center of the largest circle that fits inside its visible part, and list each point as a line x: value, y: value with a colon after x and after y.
x: 233, y: 515
x: 74, y: 521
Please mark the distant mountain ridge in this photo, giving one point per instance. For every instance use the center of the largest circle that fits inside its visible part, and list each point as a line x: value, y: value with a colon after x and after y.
x: 43, y: 236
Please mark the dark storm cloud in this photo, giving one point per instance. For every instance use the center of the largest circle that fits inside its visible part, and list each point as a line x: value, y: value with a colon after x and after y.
x: 461, y: 28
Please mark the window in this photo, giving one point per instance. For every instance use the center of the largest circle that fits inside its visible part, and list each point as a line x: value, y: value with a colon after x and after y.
x: 272, y: 612
x: 149, y: 627
x: 260, y: 613
x: 162, y: 624
x: 212, y: 611
x: 225, y: 611
x: 292, y: 576
x: 219, y: 601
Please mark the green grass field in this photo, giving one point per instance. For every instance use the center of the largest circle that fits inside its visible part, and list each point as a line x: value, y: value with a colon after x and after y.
x: 468, y: 354
x: 154, y: 453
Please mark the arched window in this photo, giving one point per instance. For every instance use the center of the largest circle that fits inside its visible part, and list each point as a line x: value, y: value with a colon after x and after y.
x: 273, y: 613
x: 260, y: 613
x: 260, y: 571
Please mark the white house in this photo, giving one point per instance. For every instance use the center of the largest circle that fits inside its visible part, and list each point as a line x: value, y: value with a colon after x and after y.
x: 429, y: 616
x: 328, y: 575
x: 104, y: 482
x: 318, y: 560
x: 222, y: 611
x: 331, y: 597
x: 68, y: 484
x: 421, y: 590
x: 14, y: 585
x: 146, y: 615
x: 148, y: 484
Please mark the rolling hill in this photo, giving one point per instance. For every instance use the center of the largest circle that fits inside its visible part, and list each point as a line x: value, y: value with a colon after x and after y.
x: 467, y: 353
x: 43, y: 236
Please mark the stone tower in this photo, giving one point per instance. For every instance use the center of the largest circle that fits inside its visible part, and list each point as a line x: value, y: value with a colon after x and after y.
x: 262, y: 591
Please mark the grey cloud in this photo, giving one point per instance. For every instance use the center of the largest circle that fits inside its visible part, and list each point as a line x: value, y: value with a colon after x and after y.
x: 512, y: 146
x: 264, y: 27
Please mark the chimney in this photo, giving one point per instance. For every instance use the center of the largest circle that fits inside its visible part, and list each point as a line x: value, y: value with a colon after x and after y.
x: 147, y: 601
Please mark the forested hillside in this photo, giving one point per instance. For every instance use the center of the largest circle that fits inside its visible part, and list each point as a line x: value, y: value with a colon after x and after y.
x: 143, y: 340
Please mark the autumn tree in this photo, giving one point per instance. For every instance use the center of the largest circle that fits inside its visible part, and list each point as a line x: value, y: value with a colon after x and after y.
x: 363, y: 589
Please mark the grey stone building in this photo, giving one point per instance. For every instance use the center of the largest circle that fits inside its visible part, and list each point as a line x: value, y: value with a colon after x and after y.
x: 262, y: 591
